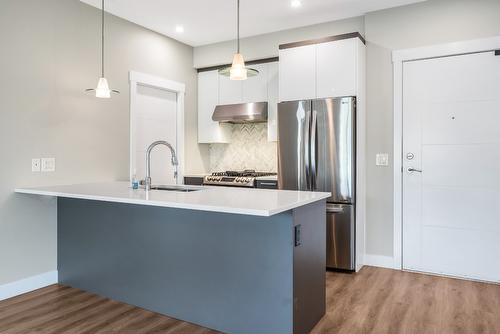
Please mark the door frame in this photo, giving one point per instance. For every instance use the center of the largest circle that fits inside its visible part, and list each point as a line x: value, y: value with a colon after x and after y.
x: 399, y: 57
x: 138, y: 78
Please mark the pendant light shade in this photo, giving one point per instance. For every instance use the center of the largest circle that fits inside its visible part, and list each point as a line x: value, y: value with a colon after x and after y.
x: 102, y: 90
x: 238, y: 70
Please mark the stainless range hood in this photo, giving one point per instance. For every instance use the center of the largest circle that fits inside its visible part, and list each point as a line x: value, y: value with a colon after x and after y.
x: 255, y: 112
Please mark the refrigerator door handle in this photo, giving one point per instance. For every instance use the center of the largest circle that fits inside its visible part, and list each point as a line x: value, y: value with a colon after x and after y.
x: 334, y: 208
x: 314, y: 169
x: 307, y: 150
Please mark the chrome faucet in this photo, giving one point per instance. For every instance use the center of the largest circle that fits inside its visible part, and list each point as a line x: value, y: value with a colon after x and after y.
x: 174, y: 161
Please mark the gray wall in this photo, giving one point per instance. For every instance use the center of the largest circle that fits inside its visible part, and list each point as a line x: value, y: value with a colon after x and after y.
x: 431, y: 22
x: 49, y: 55
x: 426, y: 23
x: 265, y: 46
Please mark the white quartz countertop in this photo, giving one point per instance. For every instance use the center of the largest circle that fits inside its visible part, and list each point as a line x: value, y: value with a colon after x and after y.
x: 257, y: 202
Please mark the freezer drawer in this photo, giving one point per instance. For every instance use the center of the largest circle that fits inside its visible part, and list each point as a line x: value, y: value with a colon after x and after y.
x: 340, y: 236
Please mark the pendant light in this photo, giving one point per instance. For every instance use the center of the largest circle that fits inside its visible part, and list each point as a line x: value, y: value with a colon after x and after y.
x: 102, y: 90
x: 238, y: 70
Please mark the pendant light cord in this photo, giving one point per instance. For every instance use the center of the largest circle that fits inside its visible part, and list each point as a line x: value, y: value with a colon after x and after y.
x: 237, y: 24
x: 102, y: 40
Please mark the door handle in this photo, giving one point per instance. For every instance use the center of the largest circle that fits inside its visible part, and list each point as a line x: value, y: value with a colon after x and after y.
x: 307, y: 152
x: 313, y: 149
x: 411, y: 170
x: 268, y: 183
x: 334, y: 208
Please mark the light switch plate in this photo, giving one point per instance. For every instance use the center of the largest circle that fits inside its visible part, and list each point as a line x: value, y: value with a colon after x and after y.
x: 35, y: 165
x: 382, y: 159
x: 48, y: 164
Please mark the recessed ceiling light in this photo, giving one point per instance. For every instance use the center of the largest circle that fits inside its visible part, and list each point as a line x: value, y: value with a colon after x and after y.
x: 296, y: 3
x: 179, y: 28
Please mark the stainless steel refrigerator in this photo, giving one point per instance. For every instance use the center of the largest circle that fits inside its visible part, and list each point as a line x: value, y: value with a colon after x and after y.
x: 317, y: 152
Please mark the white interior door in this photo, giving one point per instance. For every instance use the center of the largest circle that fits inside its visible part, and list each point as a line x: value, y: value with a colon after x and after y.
x: 451, y: 136
x: 155, y: 118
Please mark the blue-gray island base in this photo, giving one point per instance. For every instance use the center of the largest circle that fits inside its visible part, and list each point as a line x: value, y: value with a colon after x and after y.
x: 229, y: 272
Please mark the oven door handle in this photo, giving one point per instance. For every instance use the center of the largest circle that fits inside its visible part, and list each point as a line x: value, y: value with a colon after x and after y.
x: 268, y: 183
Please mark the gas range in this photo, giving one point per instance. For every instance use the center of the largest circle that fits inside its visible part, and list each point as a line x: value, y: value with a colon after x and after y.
x: 246, y: 178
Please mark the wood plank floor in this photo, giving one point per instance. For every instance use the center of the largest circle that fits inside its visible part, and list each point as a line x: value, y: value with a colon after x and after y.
x: 61, y: 309
x: 377, y: 300
x: 374, y: 300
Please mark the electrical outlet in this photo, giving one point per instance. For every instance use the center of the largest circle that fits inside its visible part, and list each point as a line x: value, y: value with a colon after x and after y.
x: 35, y: 165
x: 382, y: 159
x: 48, y: 164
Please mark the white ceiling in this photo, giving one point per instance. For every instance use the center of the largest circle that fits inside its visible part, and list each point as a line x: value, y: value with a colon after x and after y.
x: 211, y: 21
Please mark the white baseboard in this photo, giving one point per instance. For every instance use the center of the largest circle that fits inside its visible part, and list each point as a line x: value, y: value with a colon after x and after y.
x: 379, y: 261
x: 28, y: 284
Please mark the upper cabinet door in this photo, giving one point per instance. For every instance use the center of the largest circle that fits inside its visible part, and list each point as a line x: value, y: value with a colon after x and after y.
x: 255, y: 88
x: 336, y: 68
x: 230, y: 91
x: 272, y: 93
x: 297, y: 68
x: 208, y: 97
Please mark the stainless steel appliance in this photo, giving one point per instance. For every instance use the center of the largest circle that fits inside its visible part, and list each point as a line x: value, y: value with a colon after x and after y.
x: 317, y: 152
x: 255, y: 112
x: 247, y: 179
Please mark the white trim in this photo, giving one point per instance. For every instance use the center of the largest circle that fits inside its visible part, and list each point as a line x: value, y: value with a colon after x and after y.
x: 398, y: 58
x: 360, y: 155
x: 157, y: 82
x: 380, y: 261
x: 398, y: 166
x: 25, y: 285
x: 179, y: 89
x: 445, y: 50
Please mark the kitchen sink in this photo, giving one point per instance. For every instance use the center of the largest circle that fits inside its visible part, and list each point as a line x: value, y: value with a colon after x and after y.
x: 175, y: 188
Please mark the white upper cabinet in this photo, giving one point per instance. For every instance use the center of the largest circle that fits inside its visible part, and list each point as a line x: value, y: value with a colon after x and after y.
x: 208, y: 97
x: 214, y: 90
x: 255, y: 88
x: 326, y: 69
x: 230, y: 91
x: 273, y: 99
x: 336, y: 68
x: 297, y: 68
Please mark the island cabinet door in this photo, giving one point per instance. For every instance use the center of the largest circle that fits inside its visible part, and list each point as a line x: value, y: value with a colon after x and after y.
x: 309, y: 263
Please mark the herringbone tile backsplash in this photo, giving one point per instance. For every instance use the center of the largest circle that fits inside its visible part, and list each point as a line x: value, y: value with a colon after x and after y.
x: 249, y: 149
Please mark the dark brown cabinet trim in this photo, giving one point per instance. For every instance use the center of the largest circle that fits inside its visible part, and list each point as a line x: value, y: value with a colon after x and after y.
x: 251, y: 62
x: 323, y: 40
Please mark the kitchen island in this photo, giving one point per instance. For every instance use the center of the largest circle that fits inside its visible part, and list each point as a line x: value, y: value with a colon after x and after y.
x: 234, y: 260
